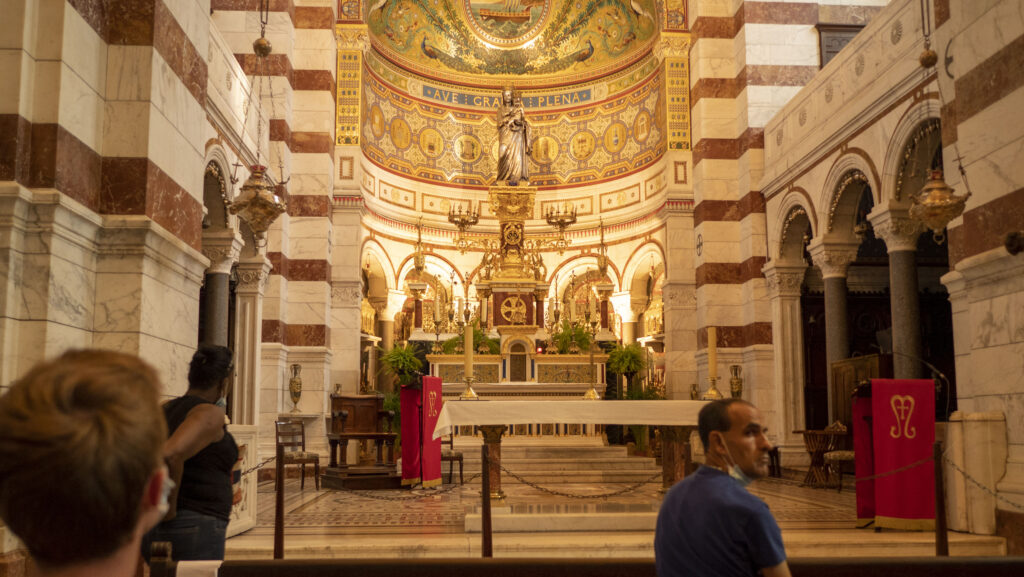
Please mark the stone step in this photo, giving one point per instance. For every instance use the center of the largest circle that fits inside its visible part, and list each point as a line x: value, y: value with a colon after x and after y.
x: 640, y: 463
x: 473, y: 452
x: 545, y: 478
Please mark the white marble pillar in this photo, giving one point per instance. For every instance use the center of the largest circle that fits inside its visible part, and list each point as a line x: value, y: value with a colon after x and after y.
x: 252, y: 275
x: 784, y: 282
x: 900, y: 236
x: 833, y: 259
x: 623, y: 307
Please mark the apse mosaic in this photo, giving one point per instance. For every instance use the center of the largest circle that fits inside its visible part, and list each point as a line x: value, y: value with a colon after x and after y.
x: 574, y: 39
x: 423, y: 140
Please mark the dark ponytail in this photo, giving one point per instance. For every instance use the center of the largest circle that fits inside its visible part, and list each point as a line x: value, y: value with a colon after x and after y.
x: 210, y: 365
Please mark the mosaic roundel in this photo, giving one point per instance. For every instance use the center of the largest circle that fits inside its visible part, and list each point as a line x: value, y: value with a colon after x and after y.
x: 431, y: 142
x: 377, y: 124
x: 642, y: 126
x: 545, y: 149
x: 400, y: 133
x: 582, y: 145
x: 467, y: 148
x: 615, y: 137
x: 507, y: 23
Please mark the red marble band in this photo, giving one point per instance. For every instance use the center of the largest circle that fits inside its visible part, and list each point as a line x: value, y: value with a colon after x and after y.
x: 276, y: 6
x: 314, y: 17
x: 990, y: 81
x: 148, y: 23
x: 941, y: 10
x: 315, y: 80
x: 984, y: 228
x: 275, y: 331
x: 737, y: 337
x: 48, y: 156
x: 299, y: 270
x: 728, y: 148
x: 759, y: 75
x: 730, y: 272
x: 802, y: 13
x: 309, y: 205
x: 729, y: 210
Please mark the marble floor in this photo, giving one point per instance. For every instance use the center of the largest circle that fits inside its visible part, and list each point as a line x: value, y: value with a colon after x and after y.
x: 444, y: 522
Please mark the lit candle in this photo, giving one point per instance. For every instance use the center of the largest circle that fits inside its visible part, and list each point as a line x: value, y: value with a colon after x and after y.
x: 712, y: 353
x: 469, y: 350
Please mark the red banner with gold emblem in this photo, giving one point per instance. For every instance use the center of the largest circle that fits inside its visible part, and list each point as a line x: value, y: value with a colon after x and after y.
x: 903, y: 426
x: 410, y: 400
x: 430, y: 458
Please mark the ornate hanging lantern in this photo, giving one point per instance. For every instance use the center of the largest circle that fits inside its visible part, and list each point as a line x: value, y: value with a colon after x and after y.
x: 936, y: 205
x: 257, y: 204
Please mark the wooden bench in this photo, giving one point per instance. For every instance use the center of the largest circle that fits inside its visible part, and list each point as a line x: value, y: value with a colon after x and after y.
x: 545, y: 567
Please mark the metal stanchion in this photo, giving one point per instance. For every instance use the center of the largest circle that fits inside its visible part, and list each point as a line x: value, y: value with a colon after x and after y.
x: 941, y: 537
x: 485, y: 495
x: 279, y: 505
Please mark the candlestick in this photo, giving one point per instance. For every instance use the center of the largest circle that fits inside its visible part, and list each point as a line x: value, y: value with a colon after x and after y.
x: 712, y: 353
x: 469, y: 348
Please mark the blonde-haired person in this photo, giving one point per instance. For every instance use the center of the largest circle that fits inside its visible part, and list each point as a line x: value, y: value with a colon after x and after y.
x: 81, y: 471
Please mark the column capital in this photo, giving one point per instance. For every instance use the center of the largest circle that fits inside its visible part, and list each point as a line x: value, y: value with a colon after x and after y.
x: 832, y: 258
x: 222, y: 248
x: 784, y: 280
x: 352, y: 37
x: 621, y: 303
x: 896, y: 228
x: 346, y: 294
x: 395, y: 302
x: 253, y: 274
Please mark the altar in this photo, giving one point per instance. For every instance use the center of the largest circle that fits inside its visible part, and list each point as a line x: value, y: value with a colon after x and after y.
x: 679, y: 419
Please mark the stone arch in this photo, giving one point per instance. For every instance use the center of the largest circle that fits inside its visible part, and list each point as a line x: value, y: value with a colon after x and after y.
x: 920, y: 121
x: 641, y: 258
x: 580, y: 264
x: 376, y: 264
x: 846, y: 181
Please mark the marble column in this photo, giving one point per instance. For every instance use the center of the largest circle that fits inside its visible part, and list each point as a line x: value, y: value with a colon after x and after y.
x: 783, y: 282
x: 833, y: 260
x: 900, y: 236
x: 621, y: 303
x: 222, y: 248
x: 252, y: 275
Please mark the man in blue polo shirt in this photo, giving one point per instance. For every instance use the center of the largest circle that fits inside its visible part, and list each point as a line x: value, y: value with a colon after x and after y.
x: 709, y: 524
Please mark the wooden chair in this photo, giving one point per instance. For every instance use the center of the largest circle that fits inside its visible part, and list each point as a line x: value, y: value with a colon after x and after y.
x: 818, y: 443
x: 835, y: 458
x: 451, y: 455
x: 291, y: 436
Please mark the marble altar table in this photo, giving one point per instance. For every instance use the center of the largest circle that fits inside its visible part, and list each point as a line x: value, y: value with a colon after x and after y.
x: 678, y: 417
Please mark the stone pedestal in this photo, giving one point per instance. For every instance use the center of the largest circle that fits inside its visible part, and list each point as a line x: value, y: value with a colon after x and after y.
x: 492, y: 438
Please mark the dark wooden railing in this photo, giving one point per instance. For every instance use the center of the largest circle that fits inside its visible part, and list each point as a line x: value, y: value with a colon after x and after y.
x: 545, y: 567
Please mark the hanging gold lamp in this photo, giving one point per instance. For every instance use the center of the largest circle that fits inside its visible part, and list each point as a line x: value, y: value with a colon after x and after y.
x: 936, y: 205
x: 257, y: 203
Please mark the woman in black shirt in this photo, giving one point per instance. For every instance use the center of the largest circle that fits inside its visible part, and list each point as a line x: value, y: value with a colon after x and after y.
x: 200, y: 454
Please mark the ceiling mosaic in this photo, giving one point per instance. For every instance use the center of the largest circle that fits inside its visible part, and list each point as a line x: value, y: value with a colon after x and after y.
x: 406, y: 132
x: 488, y: 42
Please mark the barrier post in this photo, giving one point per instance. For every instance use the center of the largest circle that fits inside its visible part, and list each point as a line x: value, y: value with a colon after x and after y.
x: 941, y: 537
x: 485, y: 506
x: 279, y: 505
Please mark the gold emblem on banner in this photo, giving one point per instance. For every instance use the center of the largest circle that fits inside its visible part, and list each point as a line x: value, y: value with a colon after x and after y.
x: 432, y: 397
x: 903, y: 408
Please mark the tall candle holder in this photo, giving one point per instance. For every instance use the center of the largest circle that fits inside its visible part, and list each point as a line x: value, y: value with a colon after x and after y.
x: 591, y: 394
x: 712, y: 394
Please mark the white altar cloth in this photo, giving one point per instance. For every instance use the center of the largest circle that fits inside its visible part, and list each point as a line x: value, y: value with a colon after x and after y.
x: 455, y: 413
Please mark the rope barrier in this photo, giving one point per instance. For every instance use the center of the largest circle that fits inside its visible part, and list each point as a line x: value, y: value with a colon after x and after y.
x: 623, y: 491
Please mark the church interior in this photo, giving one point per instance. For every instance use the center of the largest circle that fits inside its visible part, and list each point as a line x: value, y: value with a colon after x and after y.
x: 770, y: 200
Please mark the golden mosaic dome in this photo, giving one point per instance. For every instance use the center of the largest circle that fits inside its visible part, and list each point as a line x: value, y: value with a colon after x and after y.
x: 527, y: 42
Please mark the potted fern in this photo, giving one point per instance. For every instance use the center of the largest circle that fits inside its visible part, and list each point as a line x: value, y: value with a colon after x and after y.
x: 629, y: 360
x: 402, y: 362
x: 570, y: 334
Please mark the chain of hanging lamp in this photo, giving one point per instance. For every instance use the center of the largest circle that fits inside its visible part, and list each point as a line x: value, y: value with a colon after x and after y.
x: 936, y: 205
x: 257, y: 203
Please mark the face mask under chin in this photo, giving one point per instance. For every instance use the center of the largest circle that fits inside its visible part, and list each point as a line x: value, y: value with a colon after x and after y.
x: 734, y: 470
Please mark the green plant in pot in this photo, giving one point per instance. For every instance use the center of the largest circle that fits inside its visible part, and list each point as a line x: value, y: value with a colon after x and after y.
x: 402, y: 362
x: 629, y: 360
x: 568, y: 334
x: 479, y: 337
